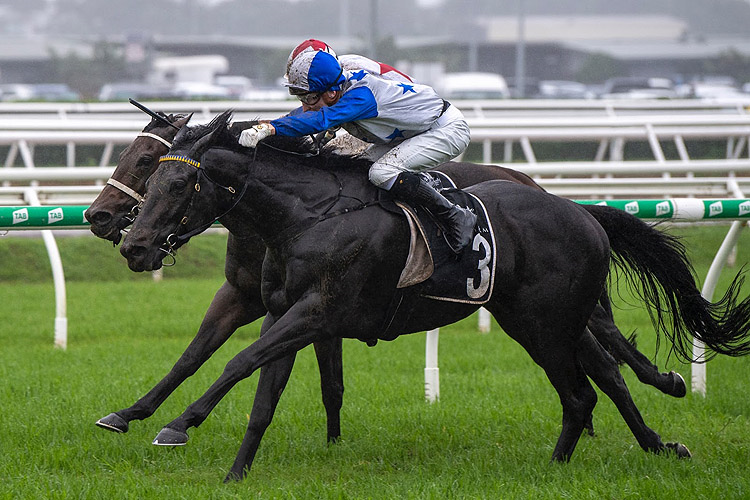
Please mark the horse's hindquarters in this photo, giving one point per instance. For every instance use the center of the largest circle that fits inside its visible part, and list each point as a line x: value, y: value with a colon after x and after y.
x: 552, y: 257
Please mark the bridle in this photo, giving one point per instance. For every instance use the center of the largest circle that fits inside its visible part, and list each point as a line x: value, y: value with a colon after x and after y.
x: 174, y: 239
x: 130, y: 191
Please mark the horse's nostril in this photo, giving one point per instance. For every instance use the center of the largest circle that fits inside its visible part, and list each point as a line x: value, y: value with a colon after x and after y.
x: 98, y: 217
x: 130, y: 251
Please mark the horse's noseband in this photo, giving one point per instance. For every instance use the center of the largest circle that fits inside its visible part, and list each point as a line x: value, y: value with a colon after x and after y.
x: 127, y: 189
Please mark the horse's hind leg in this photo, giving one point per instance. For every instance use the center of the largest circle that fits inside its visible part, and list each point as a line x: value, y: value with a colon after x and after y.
x: 329, y: 354
x: 602, y: 368
x: 606, y: 332
x: 553, y: 349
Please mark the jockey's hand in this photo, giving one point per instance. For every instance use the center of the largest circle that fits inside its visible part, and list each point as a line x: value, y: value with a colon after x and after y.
x: 252, y: 136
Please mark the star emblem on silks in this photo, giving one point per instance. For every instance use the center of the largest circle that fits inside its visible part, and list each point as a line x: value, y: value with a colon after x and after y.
x: 396, y: 134
x: 407, y: 88
x: 358, y: 75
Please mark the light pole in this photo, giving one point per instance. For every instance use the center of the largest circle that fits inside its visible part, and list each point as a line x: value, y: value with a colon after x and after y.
x: 373, y: 42
x: 521, y: 50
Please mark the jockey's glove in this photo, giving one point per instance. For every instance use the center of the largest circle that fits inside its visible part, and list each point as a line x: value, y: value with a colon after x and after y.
x: 252, y: 136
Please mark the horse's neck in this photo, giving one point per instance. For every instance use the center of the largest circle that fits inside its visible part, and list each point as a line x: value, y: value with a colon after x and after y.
x: 281, y: 199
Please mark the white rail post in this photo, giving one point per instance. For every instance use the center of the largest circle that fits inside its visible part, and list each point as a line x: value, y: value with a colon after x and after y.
x: 431, y: 371
x: 698, y: 370
x: 61, y: 308
x: 484, y: 320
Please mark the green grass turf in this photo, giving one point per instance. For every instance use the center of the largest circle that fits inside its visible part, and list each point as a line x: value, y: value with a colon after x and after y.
x: 490, y: 435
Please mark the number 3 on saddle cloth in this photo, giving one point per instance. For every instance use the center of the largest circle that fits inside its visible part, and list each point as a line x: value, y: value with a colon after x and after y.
x: 433, y: 269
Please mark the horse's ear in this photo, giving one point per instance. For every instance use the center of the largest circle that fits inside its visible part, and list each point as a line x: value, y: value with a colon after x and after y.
x: 224, y: 118
x: 182, y: 120
x: 216, y: 130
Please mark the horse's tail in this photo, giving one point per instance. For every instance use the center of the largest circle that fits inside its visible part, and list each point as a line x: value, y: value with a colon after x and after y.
x: 656, y: 266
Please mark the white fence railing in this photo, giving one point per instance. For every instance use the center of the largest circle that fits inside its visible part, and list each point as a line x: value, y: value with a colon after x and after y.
x: 26, y: 128
x: 607, y: 172
x: 471, y: 108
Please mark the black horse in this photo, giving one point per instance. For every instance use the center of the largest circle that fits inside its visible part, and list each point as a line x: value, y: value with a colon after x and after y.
x: 328, y: 276
x: 238, y: 301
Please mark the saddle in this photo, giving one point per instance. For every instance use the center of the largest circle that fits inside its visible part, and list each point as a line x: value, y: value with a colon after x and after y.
x: 433, y: 268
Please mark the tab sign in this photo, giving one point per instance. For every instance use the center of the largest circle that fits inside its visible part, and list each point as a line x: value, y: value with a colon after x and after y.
x: 20, y: 216
x: 54, y: 215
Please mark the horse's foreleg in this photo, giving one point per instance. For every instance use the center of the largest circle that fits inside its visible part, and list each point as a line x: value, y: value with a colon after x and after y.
x: 273, y: 379
x: 230, y: 309
x: 282, y: 339
x: 602, y: 326
x: 329, y: 355
x: 602, y: 369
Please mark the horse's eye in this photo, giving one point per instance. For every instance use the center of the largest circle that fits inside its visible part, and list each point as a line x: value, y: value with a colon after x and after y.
x: 178, y: 186
x: 145, y: 161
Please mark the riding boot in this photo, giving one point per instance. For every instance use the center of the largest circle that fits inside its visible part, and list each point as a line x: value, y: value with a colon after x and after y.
x: 457, y: 223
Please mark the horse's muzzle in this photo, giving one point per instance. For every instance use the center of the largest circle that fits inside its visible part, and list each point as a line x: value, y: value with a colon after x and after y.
x: 140, y: 257
x: 106, y: 224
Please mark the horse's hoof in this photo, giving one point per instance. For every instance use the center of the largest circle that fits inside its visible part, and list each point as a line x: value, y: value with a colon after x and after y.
x: 170, y: 437
x: 679, y: 389
x: 679, y: 449
x: 113, y: 422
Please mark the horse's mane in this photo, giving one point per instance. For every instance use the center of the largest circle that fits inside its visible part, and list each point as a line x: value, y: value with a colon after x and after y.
x: 295, y: 149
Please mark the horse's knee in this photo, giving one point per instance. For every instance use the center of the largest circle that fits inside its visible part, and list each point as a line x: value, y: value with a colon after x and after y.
x: 581, y: 404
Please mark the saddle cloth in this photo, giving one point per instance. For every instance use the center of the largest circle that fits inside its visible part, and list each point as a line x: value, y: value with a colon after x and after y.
x: 432, y: 267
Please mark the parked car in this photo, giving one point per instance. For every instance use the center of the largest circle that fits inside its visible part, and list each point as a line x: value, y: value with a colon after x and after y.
x: 638, y: 88
x: 530, y: 87
x: 200, y: 90
x: 54, y: 92
x: 123, y: 91
x: 563, y: 89
x: 236, y: 85
x: 38, y: 92
x: 713, y: 91
x: 16, y: 92
x: 472, y: 85
x: 266, y: 94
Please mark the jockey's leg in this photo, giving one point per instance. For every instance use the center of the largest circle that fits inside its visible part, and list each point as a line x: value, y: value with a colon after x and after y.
x: 457, y: 223
x: 397, y: 171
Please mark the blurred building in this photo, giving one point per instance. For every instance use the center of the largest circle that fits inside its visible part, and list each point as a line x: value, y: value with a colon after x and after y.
x: 557, y: 47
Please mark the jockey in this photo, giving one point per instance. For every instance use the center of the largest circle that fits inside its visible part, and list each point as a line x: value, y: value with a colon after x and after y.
x: 350, y: 62
x: 411, y: 128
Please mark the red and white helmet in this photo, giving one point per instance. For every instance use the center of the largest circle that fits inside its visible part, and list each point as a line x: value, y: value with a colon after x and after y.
x: 310, y: 45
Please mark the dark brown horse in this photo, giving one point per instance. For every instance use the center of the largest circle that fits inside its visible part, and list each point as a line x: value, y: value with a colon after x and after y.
x: 238, y: 301
x: 330, y: 276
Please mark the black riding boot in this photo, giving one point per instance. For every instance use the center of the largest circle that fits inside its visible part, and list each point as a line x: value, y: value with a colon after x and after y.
x: 457, y: 223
